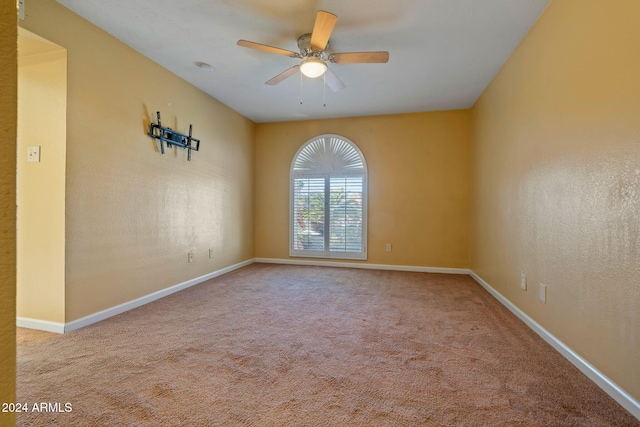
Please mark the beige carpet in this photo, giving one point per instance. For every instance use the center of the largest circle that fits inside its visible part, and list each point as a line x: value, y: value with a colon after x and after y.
x: 310, y: 346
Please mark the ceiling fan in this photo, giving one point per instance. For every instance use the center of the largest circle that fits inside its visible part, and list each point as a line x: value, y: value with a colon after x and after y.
x: 314, y: 56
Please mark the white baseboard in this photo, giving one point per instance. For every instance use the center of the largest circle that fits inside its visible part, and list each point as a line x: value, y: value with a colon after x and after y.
x: 62, y: 328
x: 41, y: 325
x: 363, y: 265
x: 601, y: 380
x: 130, y: 305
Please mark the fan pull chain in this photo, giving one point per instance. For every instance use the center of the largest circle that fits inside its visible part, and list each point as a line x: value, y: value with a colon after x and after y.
x: 300, y: 88
x: 324, y: 89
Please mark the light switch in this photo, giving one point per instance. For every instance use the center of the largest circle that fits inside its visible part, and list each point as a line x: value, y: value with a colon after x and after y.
x: 33, y: 154
x: 543, y: 293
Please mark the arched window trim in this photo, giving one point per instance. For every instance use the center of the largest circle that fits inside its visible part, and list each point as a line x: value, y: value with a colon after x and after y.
x: 334, y: 162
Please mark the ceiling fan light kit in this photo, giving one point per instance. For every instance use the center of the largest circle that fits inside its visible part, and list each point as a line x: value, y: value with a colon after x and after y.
x: 313, y: 54
x: 313, y: 67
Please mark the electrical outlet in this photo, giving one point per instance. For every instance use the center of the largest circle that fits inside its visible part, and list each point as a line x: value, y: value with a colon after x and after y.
x: 523, y: 281
x: 543, y: 292
x: 190, y: 256
x: 388, y: 247
x: 33, y: 154
x: 210, y: 253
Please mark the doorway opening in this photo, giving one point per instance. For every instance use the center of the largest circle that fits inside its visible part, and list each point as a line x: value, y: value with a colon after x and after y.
x: 41, y: 174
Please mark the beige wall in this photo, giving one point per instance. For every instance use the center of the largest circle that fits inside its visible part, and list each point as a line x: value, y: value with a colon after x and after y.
x: 132, y: 215
x: 42, y: 97
x: 8, y: 109
x: 556, y: 181
x: 418, y: 184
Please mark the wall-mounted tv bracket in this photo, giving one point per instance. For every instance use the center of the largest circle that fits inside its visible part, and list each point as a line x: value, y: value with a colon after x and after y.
x: 171, y: 138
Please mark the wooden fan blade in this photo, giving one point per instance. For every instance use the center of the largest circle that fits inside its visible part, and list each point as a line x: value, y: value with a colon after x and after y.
x: 267, y: 48
x: 333, y: 81
x: 283, y: 75
x: 322, y: 29
x: 359, y: 57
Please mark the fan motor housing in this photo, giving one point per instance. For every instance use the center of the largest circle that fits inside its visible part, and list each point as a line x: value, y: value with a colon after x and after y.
x: 304, y: 44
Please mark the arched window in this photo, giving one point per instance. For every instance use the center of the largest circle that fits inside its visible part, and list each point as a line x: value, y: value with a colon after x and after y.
x: 328, y: 202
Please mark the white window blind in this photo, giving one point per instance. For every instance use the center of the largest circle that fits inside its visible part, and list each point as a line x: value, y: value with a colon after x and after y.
x: 328, y: 200
x: 309, y: 209
x: 346, y: 214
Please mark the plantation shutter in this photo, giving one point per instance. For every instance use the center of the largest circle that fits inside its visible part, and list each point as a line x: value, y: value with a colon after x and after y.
x: 309, y: 207
x: 346, y: 214
x: 328, y: 200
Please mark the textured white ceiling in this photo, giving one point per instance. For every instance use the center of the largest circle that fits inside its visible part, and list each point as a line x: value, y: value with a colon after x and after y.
x: 443, y: 53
